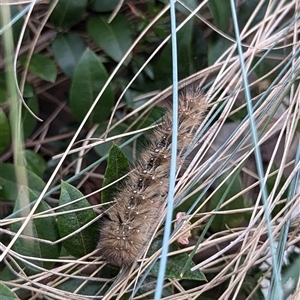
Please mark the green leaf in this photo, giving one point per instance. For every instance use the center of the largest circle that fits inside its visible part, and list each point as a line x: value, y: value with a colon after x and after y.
x: 4, y: 131
x: 221, y: 13
x: 3, y: 90
x: 246, y: 9
x: 117, y: 166
x: 114, y: 38
x: 6, y: 293
x: 8, y: 182
x: 29, y: 90
x: 67, y: 48
x: 191, y: 4
x: 89, y: 288
x: 216, y: 48
x: 68, y: 13
x: 7, y: 274
x: 17, y: 26
x: 223, y: 221
x: 43, y: 228
x: 86, y: 240
x: 88, y: 79
x: 187, y: 204
x: 149, y: 285
x: 163, y: 65
x: 199, y: 49
x: 29, y: 121
x: 290, y: 277
x: 298, y: 126
x: 175, y: 264
x: 104, y: 148
x: 35, y: 162
x: 41, y: 66
x: 272, y: 181
x: 103, y: 5
x: 268, y: 67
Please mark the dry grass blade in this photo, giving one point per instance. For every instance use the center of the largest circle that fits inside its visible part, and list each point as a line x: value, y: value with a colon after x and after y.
x: 217, y: 187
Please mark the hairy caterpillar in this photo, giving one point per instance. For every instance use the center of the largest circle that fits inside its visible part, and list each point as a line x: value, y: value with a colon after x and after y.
x: 126, y: 227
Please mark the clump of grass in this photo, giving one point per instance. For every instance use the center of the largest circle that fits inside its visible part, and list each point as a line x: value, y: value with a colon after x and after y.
x: 231, y: 207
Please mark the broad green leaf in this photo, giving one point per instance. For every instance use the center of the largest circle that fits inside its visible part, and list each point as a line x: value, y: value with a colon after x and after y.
x: 149, y: 285
x: 290, y: 277
x: 191, y: 4
x: 103, y: 5
x: 239, y: 115
x: 29, y: 121
x: 6, y: 293
x: 4, y: 131
x: 271, y: 183
x: 43, y: 228
x: 8, y: 185
x: 7, y: 274
x: 117, y: 166
x: 137, y: 64
x: 246, y: 9
x: 155, y: 114
x: 88, y: 79
x: 41, y: 66
x: 68, y: 13
x: 163, y: 67
x: 103, y: 149
x: 223, y: 221
x: 18, y: 25
x: 29, y: 90
x: 86, y: 240
x: 67, y: 48
x: 3, y: 91
x: 35, y: 162
x: 89, y: 288
x: 216, y: 48
x: 175, y: 264
x: 199, y: 49
x: 187, y: 204
x: 114, y: 38
x: 221, y: 13
x: 269, y: 66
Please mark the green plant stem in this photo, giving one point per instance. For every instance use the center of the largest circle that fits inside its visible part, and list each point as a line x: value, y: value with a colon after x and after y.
x: 15, y: 116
